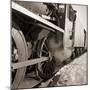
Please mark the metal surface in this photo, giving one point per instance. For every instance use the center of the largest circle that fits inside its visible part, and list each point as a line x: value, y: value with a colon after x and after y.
x: 68, y: 30
x: 67, y: 42
x: 79, y: 34
x: 36, y: 17
x: 28, y: 63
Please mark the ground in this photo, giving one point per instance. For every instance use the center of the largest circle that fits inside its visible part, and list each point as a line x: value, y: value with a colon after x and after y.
x: 74, y: 73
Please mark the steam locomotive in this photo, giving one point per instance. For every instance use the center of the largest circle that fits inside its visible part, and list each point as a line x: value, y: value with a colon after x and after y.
x: 44, y: 39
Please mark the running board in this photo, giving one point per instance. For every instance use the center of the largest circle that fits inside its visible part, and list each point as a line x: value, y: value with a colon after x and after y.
x: 28, y: 62
x: 30, y: 14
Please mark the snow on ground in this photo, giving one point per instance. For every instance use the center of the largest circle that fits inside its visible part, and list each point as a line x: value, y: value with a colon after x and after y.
x: 74, y: 73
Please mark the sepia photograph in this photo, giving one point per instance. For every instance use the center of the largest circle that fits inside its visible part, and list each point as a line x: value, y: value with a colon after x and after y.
x: 49, y: 44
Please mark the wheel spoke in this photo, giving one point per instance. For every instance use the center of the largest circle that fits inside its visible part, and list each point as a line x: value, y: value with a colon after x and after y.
x: 46, y: 47
x: 43, y: 51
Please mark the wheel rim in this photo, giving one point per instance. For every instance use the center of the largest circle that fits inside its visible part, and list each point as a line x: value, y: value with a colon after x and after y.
x: 14, y: 58
x: 22, y: 54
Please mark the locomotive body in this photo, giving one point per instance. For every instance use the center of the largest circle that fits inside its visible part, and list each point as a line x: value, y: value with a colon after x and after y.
x: 44, y: 30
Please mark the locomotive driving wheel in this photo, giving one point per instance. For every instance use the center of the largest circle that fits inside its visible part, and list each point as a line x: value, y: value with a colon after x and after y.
x: 19, y: 54
x: 45, y: 69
